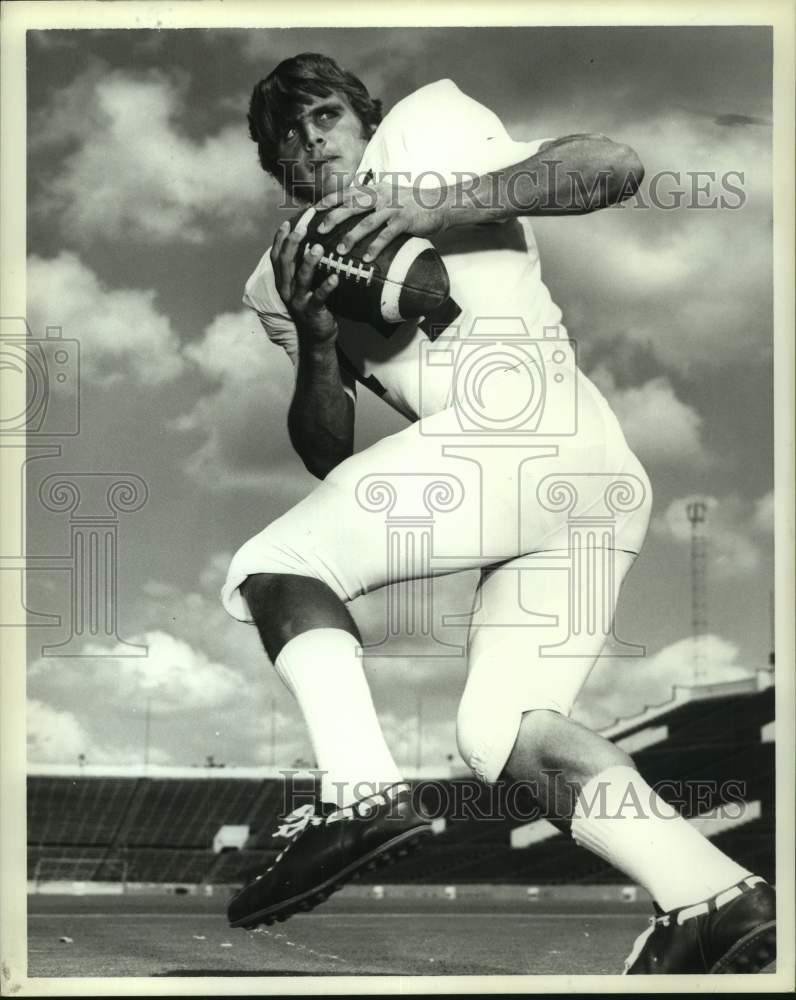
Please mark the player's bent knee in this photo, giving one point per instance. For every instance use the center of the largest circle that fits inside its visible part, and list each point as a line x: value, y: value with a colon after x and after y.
x: 278, y: 594
x: 277, y: 552
x: 491, y: 734
x: 550, y: 741
x: 485, y: 734
x: 540, y: 730
x: 258, y: 591
x: 284, y: 606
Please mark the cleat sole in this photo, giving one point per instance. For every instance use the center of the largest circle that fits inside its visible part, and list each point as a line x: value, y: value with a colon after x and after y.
x: 752, y: 953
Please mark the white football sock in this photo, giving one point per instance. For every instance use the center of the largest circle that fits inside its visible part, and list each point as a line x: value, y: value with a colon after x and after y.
x: 621, y: 818
x: 324, y: 671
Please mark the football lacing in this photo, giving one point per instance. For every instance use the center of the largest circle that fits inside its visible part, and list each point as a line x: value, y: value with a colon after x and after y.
x: 345, y: 266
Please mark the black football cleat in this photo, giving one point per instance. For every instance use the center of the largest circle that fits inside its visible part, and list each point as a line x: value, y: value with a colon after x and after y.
x: 328, y: 852
x: 733, y: 932
x: 290, y: 826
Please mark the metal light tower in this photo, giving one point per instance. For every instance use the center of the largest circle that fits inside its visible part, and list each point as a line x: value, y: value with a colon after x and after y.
x: 697, y: 512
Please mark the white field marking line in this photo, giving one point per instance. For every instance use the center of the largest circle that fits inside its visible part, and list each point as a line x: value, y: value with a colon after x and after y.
x: 341, y: 916
x: 278, y: 936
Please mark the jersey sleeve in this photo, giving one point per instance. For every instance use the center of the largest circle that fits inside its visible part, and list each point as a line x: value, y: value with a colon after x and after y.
x: 261, y: 296
x: 439, y: 130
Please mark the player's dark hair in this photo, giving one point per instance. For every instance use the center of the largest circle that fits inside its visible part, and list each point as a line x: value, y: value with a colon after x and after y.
x: 294, y: 83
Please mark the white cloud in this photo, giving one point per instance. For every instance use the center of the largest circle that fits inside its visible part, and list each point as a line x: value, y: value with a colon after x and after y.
x: 195, y: 703
x: 57, y: 736
x: 621, y: 687
x: 764, y: 513
x: 658, y: 426
x: 121, y: 333
x: 215, y: 572
x: 731, y: 522
x: 243, y: 422
x: 54, y: 735
x: 235, y: 348
x: 693, y: 284
x: 200, y: 618
x: 131, y: 172
x: 177, y: 677
x: 174, y: 678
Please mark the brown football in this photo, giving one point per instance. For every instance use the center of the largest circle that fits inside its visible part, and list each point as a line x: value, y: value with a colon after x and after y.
x: 408, y: 279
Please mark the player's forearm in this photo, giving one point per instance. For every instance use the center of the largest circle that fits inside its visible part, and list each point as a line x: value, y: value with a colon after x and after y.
x: 321, y: 415
x: 571, y: 176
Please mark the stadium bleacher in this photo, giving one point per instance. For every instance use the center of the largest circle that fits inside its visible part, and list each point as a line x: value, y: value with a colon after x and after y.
x: 77, y: 810
x: 188, y: 813
x: 159, y: 829
x: 751, y: 845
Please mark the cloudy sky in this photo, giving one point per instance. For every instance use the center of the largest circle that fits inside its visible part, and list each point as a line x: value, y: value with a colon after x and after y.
x: 147, y: 211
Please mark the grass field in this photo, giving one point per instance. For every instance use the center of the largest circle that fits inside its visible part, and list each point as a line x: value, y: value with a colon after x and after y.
x: 163, y: 935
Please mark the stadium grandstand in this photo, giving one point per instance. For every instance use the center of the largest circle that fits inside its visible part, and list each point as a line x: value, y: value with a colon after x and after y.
x: 709, y: 750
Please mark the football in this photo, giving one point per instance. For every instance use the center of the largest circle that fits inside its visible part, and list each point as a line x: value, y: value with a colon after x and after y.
x: 407, y: 280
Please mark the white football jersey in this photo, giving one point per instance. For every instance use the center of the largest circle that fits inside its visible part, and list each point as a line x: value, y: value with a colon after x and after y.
x: 436, y: 135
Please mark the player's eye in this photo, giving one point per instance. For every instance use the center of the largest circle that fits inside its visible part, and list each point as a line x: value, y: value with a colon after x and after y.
x: 290, y: 133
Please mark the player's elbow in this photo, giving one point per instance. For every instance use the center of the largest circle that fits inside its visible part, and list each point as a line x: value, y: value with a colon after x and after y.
x: 319, y: 463
x: 319, y: 469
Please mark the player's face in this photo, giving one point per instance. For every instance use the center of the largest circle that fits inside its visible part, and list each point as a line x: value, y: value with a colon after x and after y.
x: 323, y: 146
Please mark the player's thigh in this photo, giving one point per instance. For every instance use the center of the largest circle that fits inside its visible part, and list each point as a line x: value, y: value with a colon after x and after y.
x: 423, y: 502
x: 534, y: 638
x: 374, y: 520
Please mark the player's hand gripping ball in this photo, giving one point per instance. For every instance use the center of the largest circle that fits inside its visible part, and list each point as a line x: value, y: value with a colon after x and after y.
x: 407, y: 280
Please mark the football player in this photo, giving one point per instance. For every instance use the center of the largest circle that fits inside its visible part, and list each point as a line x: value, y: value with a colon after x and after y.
x: 504, y: 481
